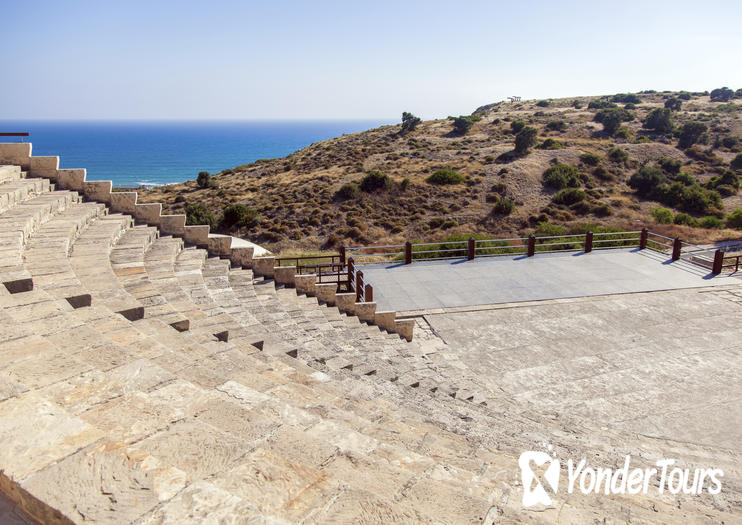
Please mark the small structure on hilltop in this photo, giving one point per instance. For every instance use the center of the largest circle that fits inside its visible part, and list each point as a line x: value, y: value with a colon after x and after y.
x: 514, y: 99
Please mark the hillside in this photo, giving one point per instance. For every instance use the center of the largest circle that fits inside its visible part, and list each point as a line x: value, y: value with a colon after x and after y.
x: 296, y: 203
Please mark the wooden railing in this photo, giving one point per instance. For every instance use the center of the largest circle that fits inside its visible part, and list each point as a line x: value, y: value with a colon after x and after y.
x: 364, y: 291
x: 532, y: 245
x: 327, y: 268
x: 14, y: 134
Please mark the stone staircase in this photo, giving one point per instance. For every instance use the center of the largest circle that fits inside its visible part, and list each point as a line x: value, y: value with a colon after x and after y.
x: 143, y: 379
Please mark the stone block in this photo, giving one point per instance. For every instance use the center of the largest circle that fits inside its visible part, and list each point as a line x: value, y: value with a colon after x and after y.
x: 173, y: 224
x: 306, y: 283
x: 385, y: 320
x: 197, y: 234
x: 98, y: 190
x: 71, y: 179
x: 220, y: 245
x: 242, y: 256
x: 326, y: 292
x: 404, y: 327
x: 285, y: 275
x: 43, y: 167
x: 346, y: 302
x: 17, y: 154
x: 148, y: 213
x: 365, y: 311
x: 264, y: 266
x: 123, y: 201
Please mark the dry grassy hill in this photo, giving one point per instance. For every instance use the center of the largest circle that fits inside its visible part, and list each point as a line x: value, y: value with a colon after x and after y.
x: 298, y: 207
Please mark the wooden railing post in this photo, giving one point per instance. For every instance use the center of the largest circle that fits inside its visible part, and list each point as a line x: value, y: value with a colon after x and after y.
x: 470, y: 250
x: 588, y: 242
x: 531, y: 245
x: 718, y: 262
x: 643, y: 238
x: 408, y: 252
x: 351, y: 272
x: 676, y: 249
x: 342, y: 255
x: 359, y: 285
x: 368, y: 294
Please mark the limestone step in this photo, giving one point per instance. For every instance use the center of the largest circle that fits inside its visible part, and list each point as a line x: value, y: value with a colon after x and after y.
x: 9, y: 173
x: 15, y: 191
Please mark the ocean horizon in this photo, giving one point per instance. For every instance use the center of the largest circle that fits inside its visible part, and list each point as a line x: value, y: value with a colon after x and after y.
x: 134, y: 153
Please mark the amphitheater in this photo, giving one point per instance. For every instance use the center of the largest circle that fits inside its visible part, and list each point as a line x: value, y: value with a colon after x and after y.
x: 152, y: 372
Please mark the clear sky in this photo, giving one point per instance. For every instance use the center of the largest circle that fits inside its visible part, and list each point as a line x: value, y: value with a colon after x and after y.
x: 288, y: 59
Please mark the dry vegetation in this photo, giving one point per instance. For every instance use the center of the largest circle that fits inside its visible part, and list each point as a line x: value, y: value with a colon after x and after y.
x: 298, y: 207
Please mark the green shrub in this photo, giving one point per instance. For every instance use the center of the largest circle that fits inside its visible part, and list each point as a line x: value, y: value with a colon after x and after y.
x: 349, y: 190
x: 660, y: 120
x: 517, y: 125
x: 504, y: 206
x: 238, y: 216
x: 684, y: 218
x: 734, y: 219
x: 409, y: 122
x: 601, y: 104
x: 737, y: 162
x: 525, y: 139
x: 404, y: 184
x: 626, y: 98
x: 725, y: 190
x: 618, y: 156
x: 690, y: 133
x: 375, y: 180
x: 543, y: 103
x: 622, y: 133
x: 669, y: 165
x: 556, y: 125
x: 591, y: 159
x: 569, y: 196
x: 463, y: 123
x: 686, y: 179
x: 611, y: 118
x: 673, y: 104
x: 550, y: 144
x: 547, y: 229
x: 646, y: 180
x: 199, y: 214
x: 602, y: 209
x: 684, y: 95
x: 445, y: 176
x: 577, y: 104
x: 560, y: 176
x: 723, y: 94
x: 662, y: 215
x: 726, y: 178
x: 711, y: 222
x: 204, y: 180
x: 602, y: 173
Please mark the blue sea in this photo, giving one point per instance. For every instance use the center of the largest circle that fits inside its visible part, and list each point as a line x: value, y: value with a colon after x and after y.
x: 143, y: 153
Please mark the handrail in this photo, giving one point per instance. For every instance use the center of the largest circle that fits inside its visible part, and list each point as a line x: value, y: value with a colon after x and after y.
x: 356, y: 283
x: 20, y: 134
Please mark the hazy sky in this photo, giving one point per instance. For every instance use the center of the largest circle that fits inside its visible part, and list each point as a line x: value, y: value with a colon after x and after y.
x: 321, y: 59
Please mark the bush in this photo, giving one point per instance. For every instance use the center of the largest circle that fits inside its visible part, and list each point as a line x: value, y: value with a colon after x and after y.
x: 626, y: 98
x: 550, y: 144
x: 602, y: 173
x: 660, y: 120
x: 404, y: 184
x: 601, y: 104
x: 737, y: 162
x: 690, y: 133
x: 611, y: 118
x: 711, y: 222
x: 591, y: 159
x: 349, y: 190
x: 543, y: 103
x: 662, y: 215
x: 684, y: 95
x: 734, y: 219
x: 445, y: 176
x: 504, y: 206
x: 560, y: 176
x: 239, y: 216
x: 525, y: 139
x: 463, y: 123
x: 375, y: 180
x: 602, y: 209
x: 556, y: 125
x: 723, y: 94
x: 646, y: 180
x: 669, y: 165
x: 684, y: 218
x: 517, y: 125
x: 409, y: 122
x: 569, y: 196
x: 673, y: 104
x: 199, y: 214
x: 618, y: 155
x: 727, y: 178
x: 686, y: 179
x: 204, y: 180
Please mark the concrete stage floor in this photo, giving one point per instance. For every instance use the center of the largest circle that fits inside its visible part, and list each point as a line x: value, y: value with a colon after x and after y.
x: 436, y: 285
